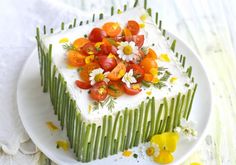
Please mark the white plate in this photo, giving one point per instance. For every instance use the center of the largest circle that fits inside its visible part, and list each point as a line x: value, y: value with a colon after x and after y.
x: 35, y: 110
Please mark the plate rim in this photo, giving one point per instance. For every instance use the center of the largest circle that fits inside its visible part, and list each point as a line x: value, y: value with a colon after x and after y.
x: 181, y: 159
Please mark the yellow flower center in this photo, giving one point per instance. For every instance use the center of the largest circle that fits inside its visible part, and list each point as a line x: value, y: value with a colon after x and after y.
x: 128, y: 50
x: 150, y: 151
x: 99, y: 77
x: 127, y: 153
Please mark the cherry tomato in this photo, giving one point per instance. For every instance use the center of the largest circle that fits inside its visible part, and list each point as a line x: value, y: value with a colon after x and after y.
x: 138, y: 71
x: 133, y: 26
x: 84, y: 73
x: 107, y: 63
x: 118, y: 72
x: 148, y: 77
x: 152, y: 54
x: 115, y: 88
x: 147, y: 64
x: 82, y: 85
x: 127, y: 32
x: 138, y: 39
x: 112, y: 29
x: 75, y: 58
x: 96, y: 35
x: 133, y: 90
x: 107, y: 49
x: 80, y: 42
x: 99, y: 91
x: 89, y: 49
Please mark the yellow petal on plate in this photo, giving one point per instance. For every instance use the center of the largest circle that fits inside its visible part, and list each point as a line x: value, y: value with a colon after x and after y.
x: 143, y: 17
x: 119, y: 11
x: 149, y: 93
x: 62, y: 144
x: 164, y: 57
x: 167, y: 141
x: 63, y: 40
x: 127, y: 153
x: 164, y: 157
x: 195, y: 163
x: 141, y: 25
x: 173, y: 80
x: 52, y: 126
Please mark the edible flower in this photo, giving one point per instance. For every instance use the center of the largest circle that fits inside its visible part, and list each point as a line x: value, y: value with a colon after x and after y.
x: 52, y: 126
x: 97, y: 75
x: 167, y: 145
x: 152, y: 150
x: 186, y: 129
x: 63, y: 40
x: 62, y: 144
x: 127, y: 153
x: 129, y: 78
x: 165, y: 58
x: 127, y: 51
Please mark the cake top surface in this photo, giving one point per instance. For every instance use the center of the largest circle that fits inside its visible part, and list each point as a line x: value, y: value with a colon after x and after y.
x: 135, y: 63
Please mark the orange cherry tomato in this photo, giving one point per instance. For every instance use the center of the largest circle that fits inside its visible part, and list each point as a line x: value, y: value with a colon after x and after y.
x: 112, y: 29
x: 148, y: 77
x: 127, y: 32
x: 118, y: 72
x: 147, y: 64
x: 80, y: 42
x: 152, y: 54
x: 133, y: 26
x: 83, y: 85
x: 115, y: 88
x: 84, y: 73
x: 75, y: 58
x: 106, y: 42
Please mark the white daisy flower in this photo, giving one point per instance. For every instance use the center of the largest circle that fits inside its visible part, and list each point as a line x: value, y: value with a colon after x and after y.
x: 127, y: 51
x: 97, y: 75
x: 129, y: 78
x: 151, y: 149
x: 186, y: 129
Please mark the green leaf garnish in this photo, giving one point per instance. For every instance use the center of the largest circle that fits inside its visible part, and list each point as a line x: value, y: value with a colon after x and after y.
x: 159, y: 85
x: 68, y: 47
x: 146, y: 84
x: 166, y: 76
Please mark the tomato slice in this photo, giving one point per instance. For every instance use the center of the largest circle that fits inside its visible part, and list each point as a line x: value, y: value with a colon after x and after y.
x: 75, y: 59
x: 96, y: 35
x: 112, y: 29
x: 147, y: 64
x: 107, y: 49
x: 152, y: 54
x: 115, y: 88
x: 107, y: 63
x: 133, y: 90
x: 118, y: 72
x: 82, y: 85
x: 99, y: 91
x: 89, y: 49
x: 80, y: 42
x: 133, y: 26
x: 85, y: 71
x: 138, y: 39
x: 138, y: 71
x: 127, y: 32
x: 148, y: 77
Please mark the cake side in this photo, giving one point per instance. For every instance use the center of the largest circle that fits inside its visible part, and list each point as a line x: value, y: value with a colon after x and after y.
x: 116, y: 132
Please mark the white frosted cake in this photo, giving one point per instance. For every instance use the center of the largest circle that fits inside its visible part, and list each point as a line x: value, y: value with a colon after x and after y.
x: 115, y: 82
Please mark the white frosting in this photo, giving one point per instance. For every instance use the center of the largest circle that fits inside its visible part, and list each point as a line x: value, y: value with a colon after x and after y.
x: 152, y: 35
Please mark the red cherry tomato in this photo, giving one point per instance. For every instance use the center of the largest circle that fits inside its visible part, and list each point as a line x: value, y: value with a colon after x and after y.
x: 89, y: 49
x: 138, y: 71
x: 133, y: 27
x: 107, y: 63
x: 138, y: 39
x: 96, y: 35
x: 107, y: 49
x: 115, y: 88
x: 132, y: 90
x: 99, y: 91
x: 82, y: 85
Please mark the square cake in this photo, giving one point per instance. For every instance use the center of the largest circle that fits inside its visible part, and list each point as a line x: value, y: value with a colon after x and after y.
x: 115, y: 82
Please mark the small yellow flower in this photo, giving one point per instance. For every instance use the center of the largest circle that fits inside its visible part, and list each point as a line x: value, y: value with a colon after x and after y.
x: 141, y: 25
x: 165, y: 58
x: 195, y: 163
x: 127, y: 153
x: 149, y: 93
x: 98, y: 44
x: 143, y: 17
x: 63, y: 40
x: 52, y: 126
x: 173, y: 80
x: 119, y: 11
x: 62, y: 144
x: 150, y: 151
x: 89, y: 59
